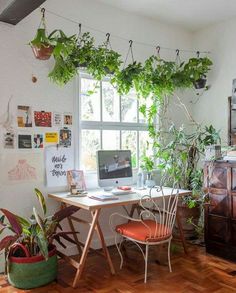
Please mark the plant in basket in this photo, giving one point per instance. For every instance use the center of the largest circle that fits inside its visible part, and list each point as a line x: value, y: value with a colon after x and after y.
x: 30, y: 254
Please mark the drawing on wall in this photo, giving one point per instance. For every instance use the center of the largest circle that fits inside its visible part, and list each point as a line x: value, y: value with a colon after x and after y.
x: 76, y: 177
x: 43, y: 119
x: 24, y: 116
x: 58, y: 160
x: 65, y: 137
x: 57, y: 119
x: 38, y: 141
x: 22, y: 167
x: 8, y: 140
x: 24, y: 141
x: 68, y: 119
x: 51, y: 137
x: 6, y: 120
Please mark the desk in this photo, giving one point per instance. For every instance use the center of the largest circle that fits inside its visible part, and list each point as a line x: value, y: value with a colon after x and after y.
x: 94, y: 207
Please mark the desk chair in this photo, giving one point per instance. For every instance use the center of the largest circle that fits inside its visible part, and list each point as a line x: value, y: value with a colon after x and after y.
x: 153, y: 226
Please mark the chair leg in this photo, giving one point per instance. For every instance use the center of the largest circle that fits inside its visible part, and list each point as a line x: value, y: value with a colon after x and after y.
x: 146, y: 263
x: 118, y: 246
x: 169, y: 256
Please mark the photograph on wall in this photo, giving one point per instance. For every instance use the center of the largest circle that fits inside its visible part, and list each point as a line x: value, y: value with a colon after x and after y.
x: 51, y: 137
x: 57, y: 119
x: 24, y: 116
x: 76, y: 177
x: 43, y: 119
x: 8, y: 140
x: 38, y: 141
x: 24, y: 141
x: 68, y: 119
x: 65, y: 137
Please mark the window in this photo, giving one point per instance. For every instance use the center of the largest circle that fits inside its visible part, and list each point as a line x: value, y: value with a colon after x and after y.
x: 108, y: 121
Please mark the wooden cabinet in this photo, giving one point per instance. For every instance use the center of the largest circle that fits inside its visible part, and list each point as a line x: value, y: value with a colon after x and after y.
x: 220, y: 211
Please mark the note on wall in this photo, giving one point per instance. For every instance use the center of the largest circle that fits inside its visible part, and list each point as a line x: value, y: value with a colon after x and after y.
x: 58, y: 160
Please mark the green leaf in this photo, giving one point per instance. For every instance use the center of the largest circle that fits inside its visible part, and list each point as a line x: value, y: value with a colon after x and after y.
x: 41, y: 200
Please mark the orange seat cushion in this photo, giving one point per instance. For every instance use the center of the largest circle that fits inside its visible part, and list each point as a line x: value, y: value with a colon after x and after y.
x: 138, y: 231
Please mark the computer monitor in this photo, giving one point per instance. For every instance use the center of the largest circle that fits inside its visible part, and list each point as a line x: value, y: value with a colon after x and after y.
x: 114, y: 168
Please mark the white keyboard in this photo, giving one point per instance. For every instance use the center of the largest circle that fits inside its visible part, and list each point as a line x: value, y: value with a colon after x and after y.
x: 121, y: 192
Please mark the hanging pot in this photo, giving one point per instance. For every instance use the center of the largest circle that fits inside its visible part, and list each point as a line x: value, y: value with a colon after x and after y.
x: 42, y: 52
x: 200, y: 83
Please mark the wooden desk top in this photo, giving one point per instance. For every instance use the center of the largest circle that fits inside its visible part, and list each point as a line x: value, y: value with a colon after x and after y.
x: 91, y: 204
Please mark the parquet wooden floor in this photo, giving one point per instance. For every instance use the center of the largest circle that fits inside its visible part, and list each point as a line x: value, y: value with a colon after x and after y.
x: 198, y: 272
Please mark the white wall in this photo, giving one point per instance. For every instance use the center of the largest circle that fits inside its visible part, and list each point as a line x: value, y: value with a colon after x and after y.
x: 17, y: 65
x: 212, y: 108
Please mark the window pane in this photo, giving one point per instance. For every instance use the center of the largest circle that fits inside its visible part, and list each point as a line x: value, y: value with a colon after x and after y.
x: 129, y: 142
x: 90, y: 104
x: 90, y: 144
x: 111, y: 103
x: 145, y: 144
x: 111, y: 139
x: 129, y: 107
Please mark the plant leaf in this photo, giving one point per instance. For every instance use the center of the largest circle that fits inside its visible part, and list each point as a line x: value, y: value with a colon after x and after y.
x: 16, y: 226
x: 42, y: 244
x: 7, y: 241
x: 41, y: 200
x: 64, y: 213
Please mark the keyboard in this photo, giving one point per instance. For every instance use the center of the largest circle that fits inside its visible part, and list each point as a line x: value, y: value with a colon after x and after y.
x: 121, y: 192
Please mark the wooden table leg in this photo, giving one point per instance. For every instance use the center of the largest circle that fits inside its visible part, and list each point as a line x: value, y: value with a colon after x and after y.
x: 181, y: 232
x: 106, y: 252
x: 79, y: 272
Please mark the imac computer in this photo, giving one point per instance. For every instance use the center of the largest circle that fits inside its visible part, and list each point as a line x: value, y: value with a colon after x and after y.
x: 114, y: 168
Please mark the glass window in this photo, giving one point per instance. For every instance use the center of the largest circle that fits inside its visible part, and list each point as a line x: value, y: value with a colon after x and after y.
x: 111, y: 139
x: 129, y: 106
x: 110, y: 103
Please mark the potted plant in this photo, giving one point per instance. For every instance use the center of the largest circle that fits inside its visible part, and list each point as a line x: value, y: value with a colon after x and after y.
x: 30, y: 254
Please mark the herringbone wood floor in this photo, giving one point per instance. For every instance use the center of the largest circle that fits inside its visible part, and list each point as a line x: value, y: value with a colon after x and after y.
x: 197, y: 272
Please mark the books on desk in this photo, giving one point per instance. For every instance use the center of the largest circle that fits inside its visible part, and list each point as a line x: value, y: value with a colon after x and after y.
x: 103, y: 197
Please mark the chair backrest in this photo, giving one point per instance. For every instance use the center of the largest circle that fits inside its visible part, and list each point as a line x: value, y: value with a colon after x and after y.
x: 161, y: 209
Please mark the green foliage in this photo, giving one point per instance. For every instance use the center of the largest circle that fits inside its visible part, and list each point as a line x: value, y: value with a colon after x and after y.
x: 42, y: 39
x: 197, y: 68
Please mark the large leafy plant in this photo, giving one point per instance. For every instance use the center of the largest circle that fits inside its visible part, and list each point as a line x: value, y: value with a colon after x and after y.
x: 35, y: 234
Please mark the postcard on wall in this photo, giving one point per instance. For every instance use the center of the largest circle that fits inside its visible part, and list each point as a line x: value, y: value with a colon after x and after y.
x: 68, y: 119
x: 24, y: 141
x: 43, y: 119
x: 8, y: 140
x: 76, y: 177
x: 24, y: 116
x: 65, y: 137
x: 38, y: 141
x: 57, y: 119
x: 51, y: 137
x: 58, y: 161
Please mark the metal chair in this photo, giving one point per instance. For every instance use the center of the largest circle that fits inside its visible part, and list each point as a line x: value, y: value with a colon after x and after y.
x: 154, y: 225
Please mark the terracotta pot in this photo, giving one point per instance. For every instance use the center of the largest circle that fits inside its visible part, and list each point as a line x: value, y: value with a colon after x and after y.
x: 32, y: 271
x: 42, y: 53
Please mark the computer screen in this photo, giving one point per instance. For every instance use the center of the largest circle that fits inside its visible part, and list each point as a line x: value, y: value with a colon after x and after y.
x: 114, y: 167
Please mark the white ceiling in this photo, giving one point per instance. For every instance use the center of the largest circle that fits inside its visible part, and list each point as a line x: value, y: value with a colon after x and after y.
x: 189, y: 14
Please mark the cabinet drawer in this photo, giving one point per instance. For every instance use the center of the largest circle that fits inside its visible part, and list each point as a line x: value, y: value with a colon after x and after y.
x: 218, y: 178
x: 219, y: 203
x: 218, y: 229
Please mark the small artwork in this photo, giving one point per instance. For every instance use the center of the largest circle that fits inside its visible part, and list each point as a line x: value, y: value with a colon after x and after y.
x: 65, y: 137
x: 24, y: 116
x: 24, y: 141
x: 76, y: 177
x: 38, y: 141
x: 43, y: 119
x: 8, y: 140
x: 51, y: 137
x: 68, y: 119
x: 57, y: 119
x: 22, y: 171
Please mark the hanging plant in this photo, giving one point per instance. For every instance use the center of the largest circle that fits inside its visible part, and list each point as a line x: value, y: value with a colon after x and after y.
x: 42, y: 44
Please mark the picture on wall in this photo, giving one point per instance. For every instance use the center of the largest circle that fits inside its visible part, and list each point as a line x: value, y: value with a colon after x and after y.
x: 65, y: 137
x: 76, y: 177
x: 57, y: 119
x: 24, y: 141
x: 8, y: 140
x: 38, y: 141
x: 68, y: 119
x: 51, y: 137
x: 43, y: 119
x: 24, y: 116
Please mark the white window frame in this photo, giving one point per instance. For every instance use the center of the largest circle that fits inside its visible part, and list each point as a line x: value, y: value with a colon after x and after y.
x: 101, y: 125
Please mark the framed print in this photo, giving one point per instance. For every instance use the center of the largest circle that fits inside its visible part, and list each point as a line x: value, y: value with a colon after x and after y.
x: 65, y: 137
x: 76, y: 177
x: 38, y: 141
x: 24, y: 141
x: 24, y: 116
x: 68, y: 119
x: 57, y: 119
x: 43, y: 119
x: 51, y: 137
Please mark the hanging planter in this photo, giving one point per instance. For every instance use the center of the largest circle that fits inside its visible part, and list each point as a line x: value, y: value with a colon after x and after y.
x: 200, y: 83
x: 42, y: 44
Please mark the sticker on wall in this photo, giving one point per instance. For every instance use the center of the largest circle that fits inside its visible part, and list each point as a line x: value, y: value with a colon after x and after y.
x: 24, y: 116
x: 51, y: 137
x: 68, y: 119
x: 43, y: 119
x: 38, y: 141
x: 65, y: 137
x: 8, y: 140
x: 24, y: 141
x: 58, y: 160
x: 57, y: 119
